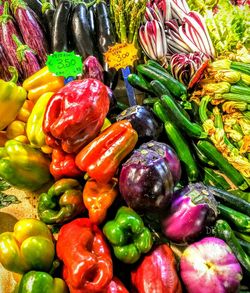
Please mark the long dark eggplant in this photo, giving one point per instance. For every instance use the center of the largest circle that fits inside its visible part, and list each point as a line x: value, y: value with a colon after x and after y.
x: 82, y: 37
x: 36, y: 6
x: 48, y: 10
x: 92, y: 24
x: 32, y: 32
x: 7, y: 29
x: 106, y: 38
x: 60, y: 37
x: 4, y: 65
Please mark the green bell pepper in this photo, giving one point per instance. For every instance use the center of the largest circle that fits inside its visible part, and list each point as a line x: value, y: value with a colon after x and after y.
x: 29, y: 247
x: 128, y: 235
x: 23, y: 166
x: 62, y: 202
x: 40, y: 282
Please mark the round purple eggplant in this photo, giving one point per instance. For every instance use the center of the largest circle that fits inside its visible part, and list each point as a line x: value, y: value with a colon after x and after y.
x: 168, y: 153
x: 143, y: 121
x: 146, y: 182
x: 192, y: 210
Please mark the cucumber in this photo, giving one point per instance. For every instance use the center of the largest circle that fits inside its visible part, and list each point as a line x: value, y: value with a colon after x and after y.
x: 210, y: 151
x: 139, y: 83
x: 224, y: 231
x: 174, y: 86
x: 231, y: 200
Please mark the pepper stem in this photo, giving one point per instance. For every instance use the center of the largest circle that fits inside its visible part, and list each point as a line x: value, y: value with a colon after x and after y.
x: 14, y: 74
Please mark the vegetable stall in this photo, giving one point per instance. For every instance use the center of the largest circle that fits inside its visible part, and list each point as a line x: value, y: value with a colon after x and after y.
x: 124, y: 146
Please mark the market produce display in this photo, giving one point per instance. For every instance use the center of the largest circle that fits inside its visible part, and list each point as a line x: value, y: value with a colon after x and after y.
x: 147, y: 191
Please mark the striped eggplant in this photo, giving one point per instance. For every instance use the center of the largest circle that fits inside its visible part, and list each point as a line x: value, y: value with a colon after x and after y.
x: 26, y: 57
x: 7, y: 29
x: 4, y: 64
x: 153, y: 41
x: 30, y: 28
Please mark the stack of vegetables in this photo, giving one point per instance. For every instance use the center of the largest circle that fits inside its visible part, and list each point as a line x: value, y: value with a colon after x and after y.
x: 154, y: 198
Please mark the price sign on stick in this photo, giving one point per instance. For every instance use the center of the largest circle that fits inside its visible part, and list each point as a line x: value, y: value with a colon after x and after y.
x: 65, y: 64
x: 121, y: 55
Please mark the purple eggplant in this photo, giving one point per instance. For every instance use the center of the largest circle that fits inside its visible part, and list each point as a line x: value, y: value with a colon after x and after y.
x: 168, y: 153
x: 7, y: 29
x: 4, y: 65
x: 27, y: 58
x: 31, y: 30
x: 92, y: 68
x: 143, y: 121
x: 146, y: 182
x: 192, y: 210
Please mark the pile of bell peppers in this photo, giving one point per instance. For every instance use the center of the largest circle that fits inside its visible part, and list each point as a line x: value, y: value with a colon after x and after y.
x: 95, y: 171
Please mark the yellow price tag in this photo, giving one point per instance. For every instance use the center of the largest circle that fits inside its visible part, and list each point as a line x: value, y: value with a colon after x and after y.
x: 121, y: 55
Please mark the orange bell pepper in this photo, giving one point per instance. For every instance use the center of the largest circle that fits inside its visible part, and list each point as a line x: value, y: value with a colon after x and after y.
x: 98, y: 197
x: 103, y: 155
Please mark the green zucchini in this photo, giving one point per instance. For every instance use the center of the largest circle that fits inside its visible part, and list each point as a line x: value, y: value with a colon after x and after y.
x: 224, y: 231
x: 157, y: 65
x: 240, y: 66
x: 236, y: 97
x: 159, y: 89
x: 240, y: 221
x: 231, y: 200
x: 178, y: 142
x: 214, y: 178
x: 242, y: 90
x: 139, y: 83
x: 174, y: 86
x: 245, y: 245
x: 210, y: 151
x: 191, y: 129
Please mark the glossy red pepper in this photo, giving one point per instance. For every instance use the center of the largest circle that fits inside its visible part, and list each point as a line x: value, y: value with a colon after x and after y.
x: 116, y: 286
x: 87, y: 264
x: 63, y: 165
x: 102, y: 157
x: 75, y: 114
x: 157, y: 273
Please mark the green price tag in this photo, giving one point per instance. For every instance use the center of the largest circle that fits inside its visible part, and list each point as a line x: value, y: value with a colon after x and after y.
x: 65, y: 64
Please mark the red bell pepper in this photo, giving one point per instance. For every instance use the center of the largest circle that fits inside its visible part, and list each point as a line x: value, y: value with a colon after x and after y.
x: 157, y: 272
x: 116, y: 286
x: 102, y: 157
x: 63, y: 165
x: 75, y: 114
x: 87, y: 264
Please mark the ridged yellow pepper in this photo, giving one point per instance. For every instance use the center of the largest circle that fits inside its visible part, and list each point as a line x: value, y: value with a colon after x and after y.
x: 12, y: 98
x: 34, y: 128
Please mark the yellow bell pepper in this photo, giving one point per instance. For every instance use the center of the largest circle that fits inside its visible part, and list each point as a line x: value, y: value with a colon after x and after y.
x: 34, y: 128
x: 16, y: 130
x: 42, y: 82
x: 25, y: 111
x: 12, y: 98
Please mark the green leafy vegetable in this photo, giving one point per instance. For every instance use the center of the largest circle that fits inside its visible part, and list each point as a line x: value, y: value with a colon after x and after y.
x: 4, y: 185
x: 7, y: 199
x: 229, y: 24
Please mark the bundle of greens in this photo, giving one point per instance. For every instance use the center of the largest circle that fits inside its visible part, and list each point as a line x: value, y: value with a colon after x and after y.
x: 227, y: 24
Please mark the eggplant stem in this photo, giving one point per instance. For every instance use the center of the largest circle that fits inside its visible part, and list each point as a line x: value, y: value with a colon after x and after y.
x: 6, y: 14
